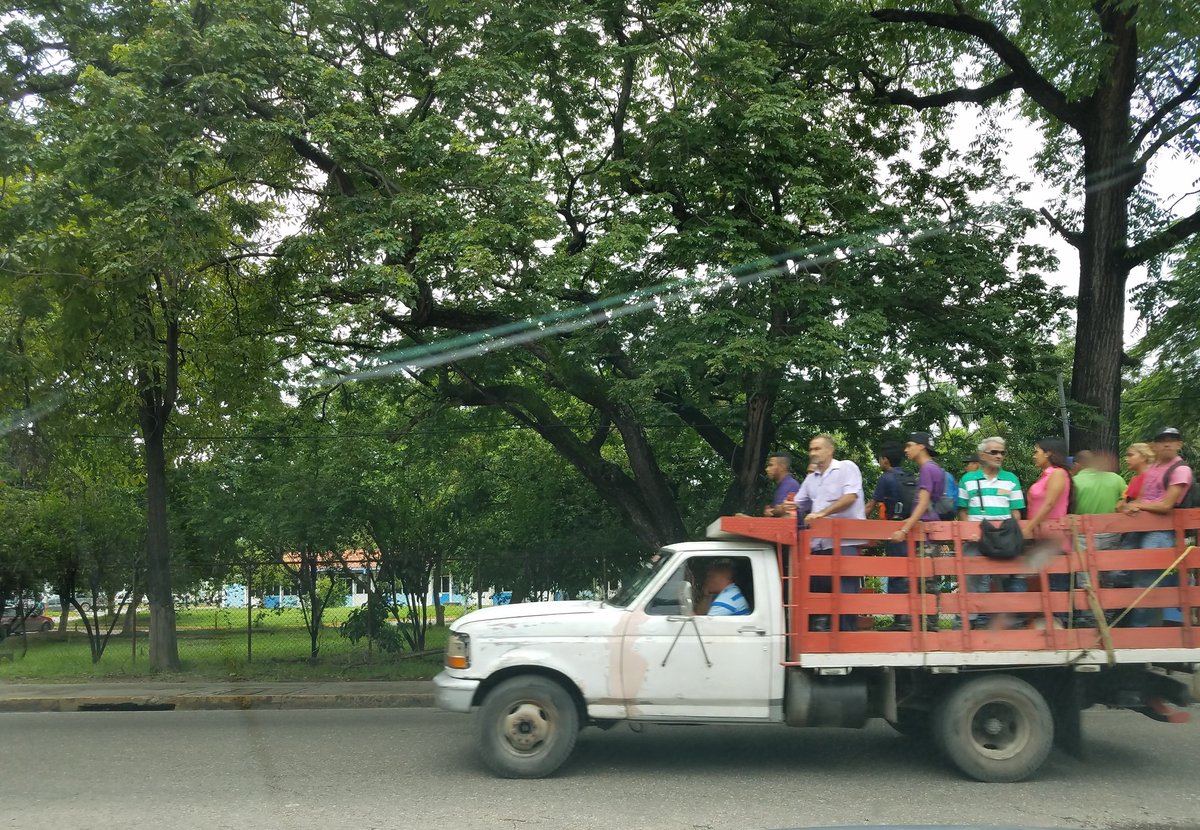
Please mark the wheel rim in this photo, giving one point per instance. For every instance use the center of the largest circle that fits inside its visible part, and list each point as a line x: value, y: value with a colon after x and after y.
x: 1000, y: 729
x: 527, y: 727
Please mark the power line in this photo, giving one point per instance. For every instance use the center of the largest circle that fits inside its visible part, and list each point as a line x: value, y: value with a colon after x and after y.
x: 449, y: 430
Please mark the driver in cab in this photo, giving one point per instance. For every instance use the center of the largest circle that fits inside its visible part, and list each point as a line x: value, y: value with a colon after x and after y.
x: 721, y: 597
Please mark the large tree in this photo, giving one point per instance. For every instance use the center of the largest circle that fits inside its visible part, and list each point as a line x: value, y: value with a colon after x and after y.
x: 1114, y: 85
x: 133, y: 212
x: 482, y: 170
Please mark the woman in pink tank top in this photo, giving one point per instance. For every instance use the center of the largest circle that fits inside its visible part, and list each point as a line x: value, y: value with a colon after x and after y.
x: 1050, y: 495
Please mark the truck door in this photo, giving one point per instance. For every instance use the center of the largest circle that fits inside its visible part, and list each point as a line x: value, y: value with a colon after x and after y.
x: 711, y: 665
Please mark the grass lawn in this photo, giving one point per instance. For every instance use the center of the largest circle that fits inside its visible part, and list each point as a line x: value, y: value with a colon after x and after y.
x: 212, y: 646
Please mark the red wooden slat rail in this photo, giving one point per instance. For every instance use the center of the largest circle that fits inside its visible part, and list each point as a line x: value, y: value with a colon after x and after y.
x: 798, y: 565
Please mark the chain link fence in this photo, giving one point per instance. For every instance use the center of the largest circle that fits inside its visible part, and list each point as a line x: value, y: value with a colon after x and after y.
x: 256, y: 622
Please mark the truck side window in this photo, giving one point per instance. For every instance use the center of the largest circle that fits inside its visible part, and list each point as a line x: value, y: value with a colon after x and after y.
x: 666, y: 601
x: 696, y: 570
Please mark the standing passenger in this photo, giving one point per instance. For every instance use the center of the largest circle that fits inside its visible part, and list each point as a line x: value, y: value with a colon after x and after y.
x: 931, y: 482
x: 779, y: 470
x: 1138, y: 458
x: 832, y: 489
x: 1097, y: 491
x: 894, y: 492
x: 990, y: 493
x: 1166, y: 486
x: 931, y: 485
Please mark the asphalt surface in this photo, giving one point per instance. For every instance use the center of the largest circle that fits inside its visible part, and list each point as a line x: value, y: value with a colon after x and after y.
x: 73, y: 697
x: 391, y: 768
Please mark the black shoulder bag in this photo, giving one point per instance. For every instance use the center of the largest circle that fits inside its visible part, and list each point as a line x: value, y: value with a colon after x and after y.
x: 1002, y: 541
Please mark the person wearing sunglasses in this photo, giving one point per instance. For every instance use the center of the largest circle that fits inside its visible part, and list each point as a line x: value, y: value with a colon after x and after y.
x: 990, y: 493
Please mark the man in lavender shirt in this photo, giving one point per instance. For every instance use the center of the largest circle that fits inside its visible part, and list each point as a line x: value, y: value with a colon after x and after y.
x: 833, y: 489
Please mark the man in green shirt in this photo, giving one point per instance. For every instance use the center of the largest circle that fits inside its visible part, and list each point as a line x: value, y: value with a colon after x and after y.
x: 1097, y: 490
x: 989, y: 493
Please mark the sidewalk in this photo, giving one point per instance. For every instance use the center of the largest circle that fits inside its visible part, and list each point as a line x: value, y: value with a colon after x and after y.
x: 74, y: 697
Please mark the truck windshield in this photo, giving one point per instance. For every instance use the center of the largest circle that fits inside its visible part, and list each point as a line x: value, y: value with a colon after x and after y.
x: 633, y: 582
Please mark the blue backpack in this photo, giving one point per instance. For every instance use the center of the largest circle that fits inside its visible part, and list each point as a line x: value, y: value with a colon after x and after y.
x: 947, y: 506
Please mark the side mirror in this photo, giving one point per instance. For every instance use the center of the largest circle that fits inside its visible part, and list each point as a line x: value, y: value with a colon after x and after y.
x: 686, y: 599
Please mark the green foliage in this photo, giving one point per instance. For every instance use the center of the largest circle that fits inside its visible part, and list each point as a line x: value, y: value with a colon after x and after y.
x: 370, y: 621
x: 219, y: 211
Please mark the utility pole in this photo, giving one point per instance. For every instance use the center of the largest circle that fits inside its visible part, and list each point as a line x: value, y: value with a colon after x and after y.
x: 1066, y: 413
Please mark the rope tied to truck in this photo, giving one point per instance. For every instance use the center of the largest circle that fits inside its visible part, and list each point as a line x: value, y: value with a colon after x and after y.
x: 1154, y: 584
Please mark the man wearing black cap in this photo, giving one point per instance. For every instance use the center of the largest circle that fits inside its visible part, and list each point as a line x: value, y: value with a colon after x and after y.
x: 931, y: 485
x: 931, y: 482
x: 1167, y: 485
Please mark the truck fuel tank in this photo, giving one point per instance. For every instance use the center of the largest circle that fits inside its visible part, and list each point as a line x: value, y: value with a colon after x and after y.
x: 816, y: 700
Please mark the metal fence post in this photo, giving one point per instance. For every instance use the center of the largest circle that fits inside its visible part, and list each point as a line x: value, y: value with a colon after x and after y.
x: 249, y: 615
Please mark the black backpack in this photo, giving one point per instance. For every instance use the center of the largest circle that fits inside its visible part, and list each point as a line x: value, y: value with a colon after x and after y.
x: 1189, y: 497
x: 906, y: 483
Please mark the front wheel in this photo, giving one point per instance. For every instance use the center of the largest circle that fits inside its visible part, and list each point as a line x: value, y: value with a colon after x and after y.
x: 527, y: 727
x: 995, y: 728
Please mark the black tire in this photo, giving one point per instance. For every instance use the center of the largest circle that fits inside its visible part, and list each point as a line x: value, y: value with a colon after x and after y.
x: 996, y: 728
x: 46, y: 626
x: 527, y: 727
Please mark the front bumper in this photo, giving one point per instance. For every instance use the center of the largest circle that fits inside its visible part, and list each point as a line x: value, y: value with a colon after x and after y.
x: 454, y: 694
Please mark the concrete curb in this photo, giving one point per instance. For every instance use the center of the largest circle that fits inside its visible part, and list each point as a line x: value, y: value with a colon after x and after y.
x: 74, y: 700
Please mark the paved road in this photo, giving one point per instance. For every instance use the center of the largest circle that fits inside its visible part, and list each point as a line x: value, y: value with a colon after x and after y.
x: 415, y: 768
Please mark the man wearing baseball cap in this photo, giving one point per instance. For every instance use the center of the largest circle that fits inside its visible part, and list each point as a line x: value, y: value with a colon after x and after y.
x: 931, y: 486
x: 931, y: 482
x: 1167, y: 485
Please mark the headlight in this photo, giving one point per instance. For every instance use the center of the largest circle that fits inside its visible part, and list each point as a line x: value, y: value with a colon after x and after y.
x: 458, y: 651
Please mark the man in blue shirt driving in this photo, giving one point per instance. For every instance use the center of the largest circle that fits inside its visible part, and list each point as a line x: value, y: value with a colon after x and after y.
x: 722, y: 597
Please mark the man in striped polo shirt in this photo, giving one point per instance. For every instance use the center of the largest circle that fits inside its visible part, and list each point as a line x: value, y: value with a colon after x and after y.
x: 722, y: 597
x: 989, y: 493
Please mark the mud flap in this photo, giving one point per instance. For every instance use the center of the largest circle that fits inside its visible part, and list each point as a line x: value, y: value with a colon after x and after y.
x: 1067, y: 702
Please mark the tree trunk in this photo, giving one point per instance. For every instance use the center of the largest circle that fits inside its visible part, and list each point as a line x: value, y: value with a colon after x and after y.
x: 747, y: 462
x: 130, y: 622
x: 164, y: 647
x: 1109, y: 178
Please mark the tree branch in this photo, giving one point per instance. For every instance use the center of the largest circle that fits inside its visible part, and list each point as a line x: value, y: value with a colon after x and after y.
x: 1166, y: 136
x: 309, y: 152
x: 1166, y: 109
x: 965, y: 95
x: 1073, y: 237
x: 1028, y: 78
x: 1163, y: 241
x: 713, y: 435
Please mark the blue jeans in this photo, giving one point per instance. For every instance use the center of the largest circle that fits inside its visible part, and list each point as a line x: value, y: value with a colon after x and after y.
x: 1147, y: 617
x: 849, y: 584
x: 982, y: 583
x: 896, y: 584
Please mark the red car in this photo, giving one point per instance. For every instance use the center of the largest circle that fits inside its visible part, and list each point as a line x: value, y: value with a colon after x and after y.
x: 10, y: 623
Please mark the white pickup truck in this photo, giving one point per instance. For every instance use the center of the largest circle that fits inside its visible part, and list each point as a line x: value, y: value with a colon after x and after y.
x: 993, y: 701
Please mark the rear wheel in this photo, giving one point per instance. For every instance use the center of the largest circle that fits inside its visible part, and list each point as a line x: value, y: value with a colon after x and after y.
x: 46, y: 626
x: 995, y: 728
x: 527, y: 727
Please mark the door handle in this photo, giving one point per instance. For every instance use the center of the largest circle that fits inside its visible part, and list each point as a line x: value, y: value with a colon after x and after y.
x: 750, y: 629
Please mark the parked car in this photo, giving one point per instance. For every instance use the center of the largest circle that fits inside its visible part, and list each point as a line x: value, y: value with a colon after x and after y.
x: 10, y: 623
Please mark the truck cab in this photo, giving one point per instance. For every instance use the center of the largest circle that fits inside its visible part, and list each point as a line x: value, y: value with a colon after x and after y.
x: 642, y: 655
